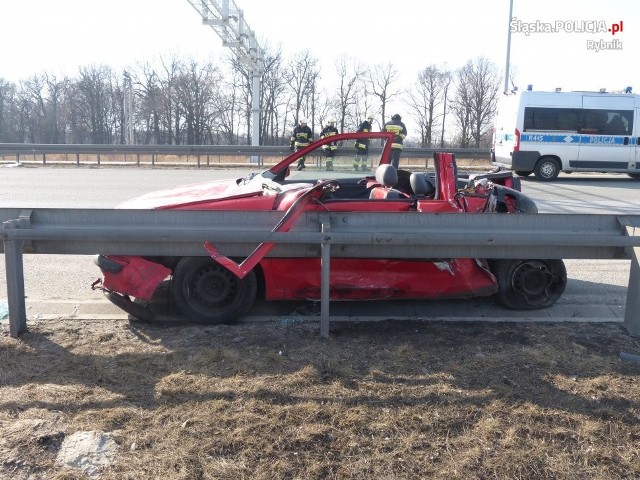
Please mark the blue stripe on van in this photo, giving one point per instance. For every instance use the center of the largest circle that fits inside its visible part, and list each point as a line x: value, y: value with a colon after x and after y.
x: 567, y: 139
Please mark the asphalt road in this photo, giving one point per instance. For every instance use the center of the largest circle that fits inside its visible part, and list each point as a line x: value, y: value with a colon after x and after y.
x: 59, y: 285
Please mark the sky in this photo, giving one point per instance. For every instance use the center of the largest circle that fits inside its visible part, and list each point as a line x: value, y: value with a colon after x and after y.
x: 60, y: 36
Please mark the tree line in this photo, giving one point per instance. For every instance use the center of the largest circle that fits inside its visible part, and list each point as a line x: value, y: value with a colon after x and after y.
x: 177, y: 101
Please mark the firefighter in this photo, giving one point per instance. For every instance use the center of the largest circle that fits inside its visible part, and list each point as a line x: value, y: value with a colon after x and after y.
x: 329, y: 148
x: 362, y: 146
x: 396, y: 127
x: 300, y: 138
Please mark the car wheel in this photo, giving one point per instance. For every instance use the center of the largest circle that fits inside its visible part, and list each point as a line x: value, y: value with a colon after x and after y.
x: 206, y: 292
x: 635, y: 176
x: 529, y: 284
x: 523, y: 173
x: 547, y: 169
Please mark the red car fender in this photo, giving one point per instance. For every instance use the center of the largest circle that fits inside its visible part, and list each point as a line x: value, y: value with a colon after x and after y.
x: 138, y: 277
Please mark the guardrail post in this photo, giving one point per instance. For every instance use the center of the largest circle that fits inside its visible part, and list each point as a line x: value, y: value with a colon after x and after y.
x: 325, y: 261
x: 632, y: 308
x: 15, y: 280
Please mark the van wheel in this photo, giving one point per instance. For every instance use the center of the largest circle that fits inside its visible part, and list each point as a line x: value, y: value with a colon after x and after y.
x: 523, y: 173
x: 635, y: 176
x: 206, y: 292
x: 547, y: 169
x: 529, y: 284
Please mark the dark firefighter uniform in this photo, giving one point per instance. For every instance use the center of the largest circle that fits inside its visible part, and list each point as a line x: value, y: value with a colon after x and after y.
x: 362, y: 147
x: 396, y: 127
x: 300, y: 138
x: 329, y: 148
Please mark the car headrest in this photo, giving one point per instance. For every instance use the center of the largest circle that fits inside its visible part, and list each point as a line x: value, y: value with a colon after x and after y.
x: 387, y: 175
x: 420, y: 184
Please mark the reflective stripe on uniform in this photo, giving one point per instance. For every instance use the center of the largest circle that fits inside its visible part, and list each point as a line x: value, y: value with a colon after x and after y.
x: 396, y: 129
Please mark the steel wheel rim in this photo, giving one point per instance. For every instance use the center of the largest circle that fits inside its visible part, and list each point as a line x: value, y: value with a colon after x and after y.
x: 547, y: 169
x: 533, y: 281
x: 213, y: 287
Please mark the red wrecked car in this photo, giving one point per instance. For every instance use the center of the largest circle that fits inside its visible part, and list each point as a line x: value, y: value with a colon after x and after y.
x: 214, y: 289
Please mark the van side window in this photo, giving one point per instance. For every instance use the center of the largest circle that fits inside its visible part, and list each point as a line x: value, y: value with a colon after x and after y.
x: 607, y: 122
x: 551, y: 119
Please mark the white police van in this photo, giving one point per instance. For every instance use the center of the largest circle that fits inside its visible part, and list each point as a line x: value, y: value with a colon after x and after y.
x: 546, y: 133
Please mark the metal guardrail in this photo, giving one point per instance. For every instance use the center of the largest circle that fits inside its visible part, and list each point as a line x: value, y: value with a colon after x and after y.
x: 325, y: 235
x: 19, y: 150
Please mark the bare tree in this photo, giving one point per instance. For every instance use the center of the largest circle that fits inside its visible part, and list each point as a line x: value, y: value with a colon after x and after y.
x: 195, y: 93
x: 425, y: 99
x: 150, y: 106
x: 475, y: 104
x: 172, y: 113
x: 273, y: 98
x: 7, y: 109
x: 365, y: 102
x: 240, y: 95
x: 349, y: 72
x: 94, y: 102
x: 184, y: 102
x: 381, y: 79
x: 447, y: 79
x: 233, y: 104
x: 56, y: 90
x: 32, y: 108
x: 302, y: 77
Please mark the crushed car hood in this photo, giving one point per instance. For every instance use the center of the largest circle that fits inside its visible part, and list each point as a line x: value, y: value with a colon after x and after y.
x: 192, y: 194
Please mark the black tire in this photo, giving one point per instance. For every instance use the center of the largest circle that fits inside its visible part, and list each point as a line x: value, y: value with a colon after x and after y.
x: 529, y: 284
x: 206, y: 292
x: 135, y: 309
x: 523, y: 173
x: 547, y: 169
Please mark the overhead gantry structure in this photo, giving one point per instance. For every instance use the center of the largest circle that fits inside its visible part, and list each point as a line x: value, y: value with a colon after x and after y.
x: 228, y: 21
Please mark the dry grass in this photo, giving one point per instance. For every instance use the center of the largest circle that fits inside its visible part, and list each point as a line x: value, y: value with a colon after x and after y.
x: 389, y: 400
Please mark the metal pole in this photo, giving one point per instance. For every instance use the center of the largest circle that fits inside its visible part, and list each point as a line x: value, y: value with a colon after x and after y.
x: 255, y: 108
x: 15, y: 281
x: 506, y: 68
x: 632, y: 307
x: 325, y: 261
x: 255, y: 112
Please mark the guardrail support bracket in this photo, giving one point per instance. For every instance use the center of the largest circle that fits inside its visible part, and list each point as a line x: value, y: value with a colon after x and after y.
x: 632, y: 307
x: 325, y: 286
x: 15, y: 281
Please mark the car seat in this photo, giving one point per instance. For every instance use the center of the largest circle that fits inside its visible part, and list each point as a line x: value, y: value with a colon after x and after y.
x: 421, y: 185
x: 387, y: 178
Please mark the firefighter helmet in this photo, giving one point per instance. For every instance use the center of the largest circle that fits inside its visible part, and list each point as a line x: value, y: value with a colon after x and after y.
x: 303, y: 121
x: 396, y: 117
x: 330, y: 121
